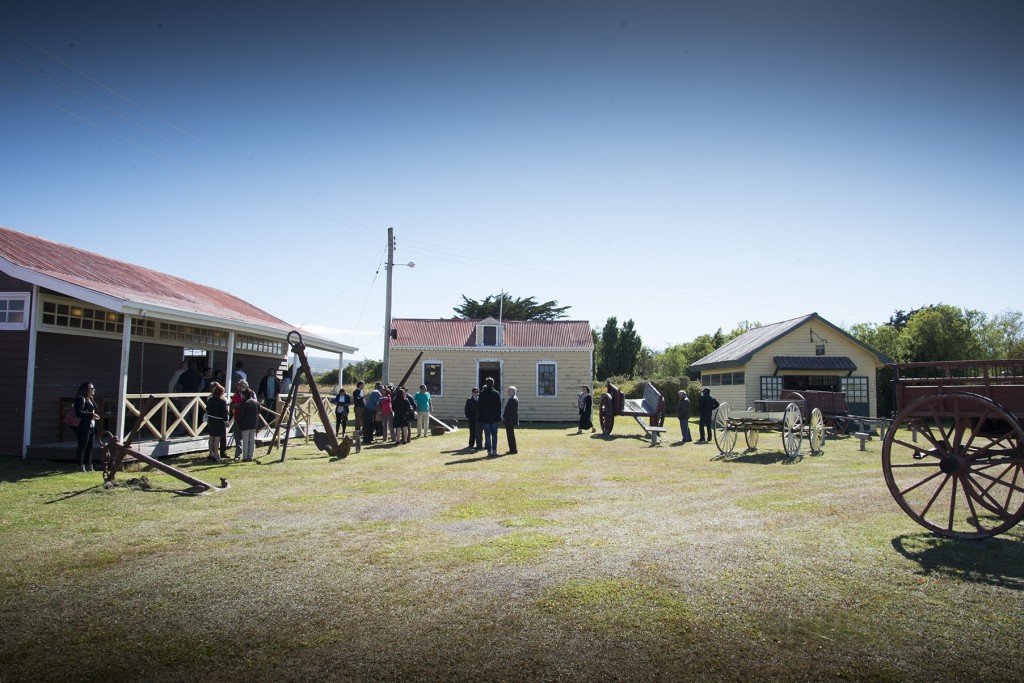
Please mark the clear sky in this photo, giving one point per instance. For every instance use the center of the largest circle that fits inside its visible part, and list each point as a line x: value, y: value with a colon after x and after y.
x: 689, y: 165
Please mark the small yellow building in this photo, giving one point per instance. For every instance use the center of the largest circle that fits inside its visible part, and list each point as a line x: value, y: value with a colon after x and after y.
x: 546, y: 360
x: 806, y: 353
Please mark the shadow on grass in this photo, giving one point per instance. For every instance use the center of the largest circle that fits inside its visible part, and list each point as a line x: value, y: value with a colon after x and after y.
x: 992, y: 561
x: 756, y: 458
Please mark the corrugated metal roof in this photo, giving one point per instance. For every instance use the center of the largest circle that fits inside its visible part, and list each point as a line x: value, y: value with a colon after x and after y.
x: 740, y: 349
x: 814, y: 363
x: 129, y: 283
x: 437, y: 333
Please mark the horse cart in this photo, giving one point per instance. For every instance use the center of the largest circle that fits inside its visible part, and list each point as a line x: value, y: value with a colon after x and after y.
x: 789, y: 415
x: 652, y: 407
x: 953, y: 458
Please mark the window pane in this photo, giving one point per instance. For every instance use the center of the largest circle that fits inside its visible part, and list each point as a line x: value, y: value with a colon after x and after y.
x: 432, y: 378
x: 490, y: 336
x: 546, y: 379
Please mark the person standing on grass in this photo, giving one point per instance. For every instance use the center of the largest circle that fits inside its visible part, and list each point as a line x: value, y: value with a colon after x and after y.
x: 249, y: 422
x: 359, y: 406
x: 422, y: 411
x: 585, y: 402
x: 237, y: 399
x: 387, y: 414
x: 88, y: 416
x: 370, y: 405
x: 683, y: 412
x: 472, y: 403
x: 341, y: 406
x: 489, y: 415
x: 216, y: 422
x: 511, y: 420
x: 706, y: 405
x: 403, y: 411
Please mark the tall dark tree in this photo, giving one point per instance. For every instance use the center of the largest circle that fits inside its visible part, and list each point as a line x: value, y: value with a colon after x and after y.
x: 510, y: 309
x: 619, y: 349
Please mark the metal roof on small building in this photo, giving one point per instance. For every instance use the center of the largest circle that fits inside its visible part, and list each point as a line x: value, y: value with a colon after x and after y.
x: 741, y: 349
x: 518, y: 334
x: 814, y: 363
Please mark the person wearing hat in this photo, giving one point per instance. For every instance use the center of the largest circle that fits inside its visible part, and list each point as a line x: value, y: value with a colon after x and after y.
x: 683, y: 412
x: 706, y: 405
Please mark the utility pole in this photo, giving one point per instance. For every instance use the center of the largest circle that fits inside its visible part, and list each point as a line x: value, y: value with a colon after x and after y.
x: 387, y: 306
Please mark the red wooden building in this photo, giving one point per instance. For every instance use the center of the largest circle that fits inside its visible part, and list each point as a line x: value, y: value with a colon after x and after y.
x: 69, y: 316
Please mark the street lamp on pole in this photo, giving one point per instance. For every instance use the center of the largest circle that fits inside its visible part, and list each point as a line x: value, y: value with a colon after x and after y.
x: 387, y: 305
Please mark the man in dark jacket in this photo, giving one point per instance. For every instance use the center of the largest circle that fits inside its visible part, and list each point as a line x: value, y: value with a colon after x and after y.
x: 683, y: 413
x: 269, y: 388
x: 475, y: 440
x: 488, y: 414
x: 511, y: 419
x: 370, y: 406
x: 706, y: 404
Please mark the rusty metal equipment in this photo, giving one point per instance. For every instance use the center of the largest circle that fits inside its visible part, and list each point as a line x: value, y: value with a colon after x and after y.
x: 788, y: 415
x: 953, y: 458
x: 326, y: 440
x: 116, y: 452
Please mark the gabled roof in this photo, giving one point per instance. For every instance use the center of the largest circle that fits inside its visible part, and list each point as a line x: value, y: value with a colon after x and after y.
x: 741, y: 349
x: 128, y: 288
x: 519, y: 334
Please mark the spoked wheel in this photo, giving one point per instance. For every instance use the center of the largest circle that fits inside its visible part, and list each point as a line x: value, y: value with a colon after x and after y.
x: 751, y: 436
x: 606, y: 415
x: 725, y: 434
x: 963, y: 475
x: 816, y: 432
x: 792, y: 430
x: 837, y: 424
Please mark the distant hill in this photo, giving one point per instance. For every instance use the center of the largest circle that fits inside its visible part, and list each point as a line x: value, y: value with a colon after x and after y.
x: 319, y: 365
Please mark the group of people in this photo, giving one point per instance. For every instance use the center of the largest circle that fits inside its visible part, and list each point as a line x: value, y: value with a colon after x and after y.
x: 484, y: 413
x: 706, y: 405
x: 385, y: 412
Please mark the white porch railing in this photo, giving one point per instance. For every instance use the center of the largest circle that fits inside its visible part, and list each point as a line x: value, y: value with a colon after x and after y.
x: 180, y: 415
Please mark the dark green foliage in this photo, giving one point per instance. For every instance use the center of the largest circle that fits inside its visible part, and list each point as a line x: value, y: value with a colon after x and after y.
x: 509, y: 309
x: 618, y: 350
x: 366, y: 370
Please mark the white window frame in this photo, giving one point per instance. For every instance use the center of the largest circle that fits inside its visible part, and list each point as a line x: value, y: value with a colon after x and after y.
x: 537, y: 376
x: 26, y: 297
x: 423, y: 376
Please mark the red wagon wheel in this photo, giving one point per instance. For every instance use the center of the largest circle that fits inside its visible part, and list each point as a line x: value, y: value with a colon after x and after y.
x: 959, y: 470
x: 607, y: 414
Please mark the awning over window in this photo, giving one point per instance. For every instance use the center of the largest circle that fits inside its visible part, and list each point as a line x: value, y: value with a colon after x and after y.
x: 818, y: 363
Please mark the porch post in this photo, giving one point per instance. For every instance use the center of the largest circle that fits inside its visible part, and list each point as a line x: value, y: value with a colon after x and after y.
x: 341, y: 371
x: 30, y: 371
x: 229, y: 371
x: 122, y: 381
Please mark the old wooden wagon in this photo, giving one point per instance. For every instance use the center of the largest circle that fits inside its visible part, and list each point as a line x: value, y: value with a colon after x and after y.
x: 651, y: 407
x: 953, y: 458
x: 790, y: 415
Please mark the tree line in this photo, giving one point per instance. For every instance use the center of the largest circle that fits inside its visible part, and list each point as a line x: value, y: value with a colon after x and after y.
x: 936, y: 332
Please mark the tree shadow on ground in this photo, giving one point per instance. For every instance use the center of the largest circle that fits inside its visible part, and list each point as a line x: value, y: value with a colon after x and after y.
x: 991, y: 561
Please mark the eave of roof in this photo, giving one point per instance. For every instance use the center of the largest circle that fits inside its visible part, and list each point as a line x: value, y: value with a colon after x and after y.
x: 814, y: 363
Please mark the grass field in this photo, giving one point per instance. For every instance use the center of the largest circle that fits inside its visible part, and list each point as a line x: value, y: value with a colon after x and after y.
x: 581, y: 558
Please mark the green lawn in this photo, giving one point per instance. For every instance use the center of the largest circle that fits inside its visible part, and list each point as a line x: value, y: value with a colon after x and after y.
x: 582, y: 557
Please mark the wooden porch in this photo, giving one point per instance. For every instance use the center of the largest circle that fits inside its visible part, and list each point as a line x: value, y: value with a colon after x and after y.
x: 173, y: 425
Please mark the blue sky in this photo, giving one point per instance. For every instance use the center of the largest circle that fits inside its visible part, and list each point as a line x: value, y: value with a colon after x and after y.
x: 689, y: 165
